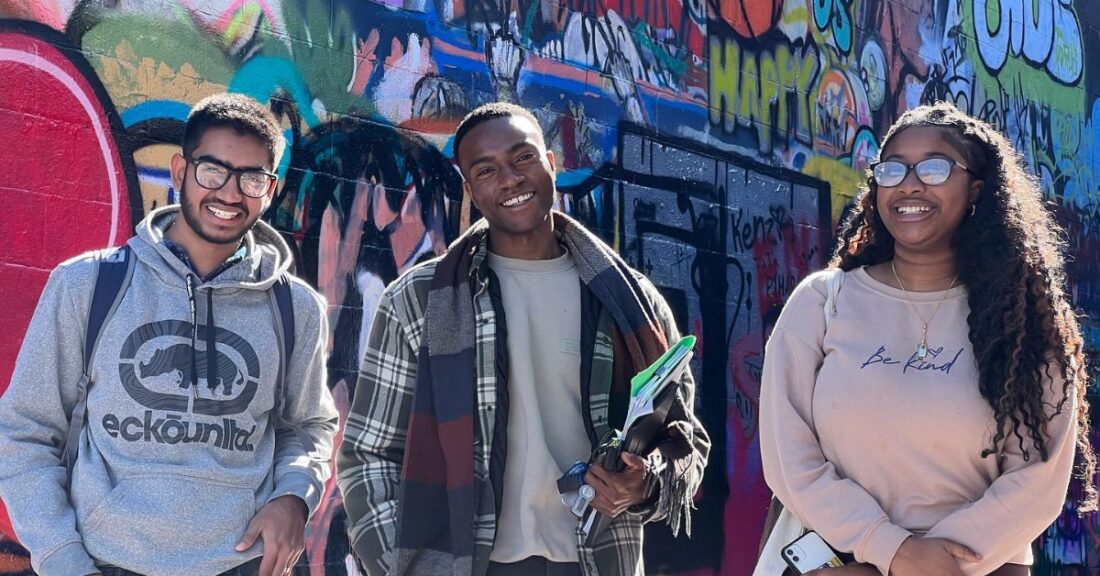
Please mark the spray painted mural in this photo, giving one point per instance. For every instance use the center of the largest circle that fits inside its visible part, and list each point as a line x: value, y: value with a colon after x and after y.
x: 713, y: 143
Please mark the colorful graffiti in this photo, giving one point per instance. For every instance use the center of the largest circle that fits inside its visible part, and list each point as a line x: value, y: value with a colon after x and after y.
x: 714, y: 144
x: 726, y: 239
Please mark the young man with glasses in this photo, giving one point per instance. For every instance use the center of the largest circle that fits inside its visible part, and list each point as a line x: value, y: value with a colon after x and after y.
x: 205, y: 437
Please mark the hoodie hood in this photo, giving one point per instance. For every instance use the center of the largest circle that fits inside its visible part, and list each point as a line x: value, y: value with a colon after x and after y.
x: 267, y: 255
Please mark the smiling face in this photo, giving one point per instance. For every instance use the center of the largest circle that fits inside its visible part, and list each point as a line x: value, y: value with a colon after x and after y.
x: 921, y: 217
x: 509, y: 175
x: 215, y: 218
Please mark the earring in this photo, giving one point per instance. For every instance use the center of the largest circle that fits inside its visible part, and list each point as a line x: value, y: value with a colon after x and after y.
x: 973, y: 209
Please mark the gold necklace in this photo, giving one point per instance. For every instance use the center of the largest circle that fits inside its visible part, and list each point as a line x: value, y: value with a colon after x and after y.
x: 922, y: 348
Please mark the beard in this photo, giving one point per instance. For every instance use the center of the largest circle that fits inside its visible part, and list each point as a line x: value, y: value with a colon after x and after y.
x: 191, y: 217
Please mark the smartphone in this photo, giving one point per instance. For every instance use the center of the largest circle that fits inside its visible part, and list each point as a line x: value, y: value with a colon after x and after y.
x: 810, y: 552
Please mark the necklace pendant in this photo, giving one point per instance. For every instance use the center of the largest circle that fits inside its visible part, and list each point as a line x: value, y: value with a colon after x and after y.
x: 922, y: 351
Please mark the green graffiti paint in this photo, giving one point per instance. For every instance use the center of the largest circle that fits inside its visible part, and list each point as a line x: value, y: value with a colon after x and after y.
x: 142, y: 57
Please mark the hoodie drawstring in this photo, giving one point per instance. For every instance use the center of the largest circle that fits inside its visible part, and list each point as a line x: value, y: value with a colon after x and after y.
x: 211, y: 341
x: 194, y: 335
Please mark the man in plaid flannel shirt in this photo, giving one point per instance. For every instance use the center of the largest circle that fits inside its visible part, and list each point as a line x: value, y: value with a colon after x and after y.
x: 540, y: 406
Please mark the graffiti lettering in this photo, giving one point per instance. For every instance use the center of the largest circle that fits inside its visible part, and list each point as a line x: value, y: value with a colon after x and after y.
x: 757, y: 89
x: 832, y: 18
x: 760, y: 228
x: 1045, y: 32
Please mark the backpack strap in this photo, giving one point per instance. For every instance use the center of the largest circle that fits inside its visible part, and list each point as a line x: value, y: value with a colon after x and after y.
x: 114, y: 269
x: 113, y: 273
x: 836, y: 280
x: 283, y: 303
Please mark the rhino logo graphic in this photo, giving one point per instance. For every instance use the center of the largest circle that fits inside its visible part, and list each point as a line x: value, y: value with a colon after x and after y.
x: 163, y: 347
x: 178, y: 358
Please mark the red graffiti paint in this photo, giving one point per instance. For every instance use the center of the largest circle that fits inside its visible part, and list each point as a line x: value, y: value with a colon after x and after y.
x: 64, y: 188
x: 333, y: 501
x: 48, y: 12
x: 751, y: 18
x: 63, y: 183
x: 684, y: 19
x: 902, y: 40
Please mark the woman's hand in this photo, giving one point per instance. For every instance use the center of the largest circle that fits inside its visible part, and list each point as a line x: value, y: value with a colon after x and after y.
x: 846, y: 570
x: 931, y: 557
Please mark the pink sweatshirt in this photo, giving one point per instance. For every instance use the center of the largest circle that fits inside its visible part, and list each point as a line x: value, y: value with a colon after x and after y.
x: 867, y: 445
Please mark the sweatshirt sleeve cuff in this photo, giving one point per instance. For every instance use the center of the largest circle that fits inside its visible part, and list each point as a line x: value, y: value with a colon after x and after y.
x: 68, y: 560
x: 882, y: 544
x: 299, y: 485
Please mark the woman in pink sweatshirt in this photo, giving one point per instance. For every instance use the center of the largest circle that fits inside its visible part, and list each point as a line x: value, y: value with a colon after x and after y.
x: 930, y: 426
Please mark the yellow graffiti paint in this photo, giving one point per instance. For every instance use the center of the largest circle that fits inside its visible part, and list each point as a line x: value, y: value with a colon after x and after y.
x: 242, y: 25
x: 131, y: 80
x: 843, y: 180
x: 154, y: 192
x: 751, y: 88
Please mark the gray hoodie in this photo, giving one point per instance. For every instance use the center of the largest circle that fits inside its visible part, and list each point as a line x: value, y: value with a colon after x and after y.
x: 171, y: 468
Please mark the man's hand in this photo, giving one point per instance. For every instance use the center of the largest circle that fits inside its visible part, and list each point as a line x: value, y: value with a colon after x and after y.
x: 617, y: 491
x: 930, y: 556
x: 281, y: 525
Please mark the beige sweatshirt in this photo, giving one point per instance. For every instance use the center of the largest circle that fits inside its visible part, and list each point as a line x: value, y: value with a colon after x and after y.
x: 546, y: 433
x: 867, y: 445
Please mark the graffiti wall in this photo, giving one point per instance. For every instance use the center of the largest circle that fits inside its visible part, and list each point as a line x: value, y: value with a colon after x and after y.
x: 713, y: 143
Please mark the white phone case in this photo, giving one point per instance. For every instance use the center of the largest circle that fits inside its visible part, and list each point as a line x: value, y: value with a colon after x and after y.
x: 810, y: 552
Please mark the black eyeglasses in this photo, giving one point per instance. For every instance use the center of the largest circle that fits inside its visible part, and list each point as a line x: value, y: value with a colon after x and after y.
x: 931, y: 171
x: 212, y: 175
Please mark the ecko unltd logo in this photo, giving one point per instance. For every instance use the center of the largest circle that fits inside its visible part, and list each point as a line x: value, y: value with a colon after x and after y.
x: 161, y: 371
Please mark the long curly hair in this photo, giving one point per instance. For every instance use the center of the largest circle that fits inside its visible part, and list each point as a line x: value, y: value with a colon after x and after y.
x: 1009, y: 256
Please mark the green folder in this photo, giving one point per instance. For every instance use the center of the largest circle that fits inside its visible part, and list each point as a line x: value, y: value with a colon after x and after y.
x: 648, y: 384
x: 667, y: 362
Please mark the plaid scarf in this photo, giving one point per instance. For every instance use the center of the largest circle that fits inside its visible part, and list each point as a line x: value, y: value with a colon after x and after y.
x: 437, y: 500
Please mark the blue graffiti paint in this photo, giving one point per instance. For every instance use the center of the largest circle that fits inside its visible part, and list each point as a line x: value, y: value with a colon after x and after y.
x: 153, y: 110
x: 262, y: 77
x: 832, y: 16
x: 572, y: 177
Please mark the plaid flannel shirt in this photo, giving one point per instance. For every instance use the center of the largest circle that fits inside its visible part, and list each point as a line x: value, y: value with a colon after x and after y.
x: 371, y: 455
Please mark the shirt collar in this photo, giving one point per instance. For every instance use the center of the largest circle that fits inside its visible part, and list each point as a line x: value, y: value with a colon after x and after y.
x: 184, y: 257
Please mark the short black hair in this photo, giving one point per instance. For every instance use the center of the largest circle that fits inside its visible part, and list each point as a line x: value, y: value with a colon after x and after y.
x: 492, y: 111
x: 245, y: 115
